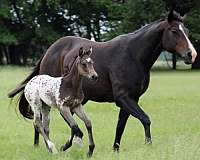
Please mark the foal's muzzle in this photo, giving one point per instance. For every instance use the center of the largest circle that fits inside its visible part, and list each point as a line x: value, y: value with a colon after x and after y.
x: 94, y: 77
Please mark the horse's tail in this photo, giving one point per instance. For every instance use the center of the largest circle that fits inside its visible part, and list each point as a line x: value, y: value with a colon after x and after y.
x: 24, y: 107
x: 22, y: 85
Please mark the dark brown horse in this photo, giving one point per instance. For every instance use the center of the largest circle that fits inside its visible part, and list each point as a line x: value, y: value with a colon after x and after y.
x: 123, y: 65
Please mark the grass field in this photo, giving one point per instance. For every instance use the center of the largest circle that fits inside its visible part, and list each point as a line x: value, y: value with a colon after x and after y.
x: 172, y: 101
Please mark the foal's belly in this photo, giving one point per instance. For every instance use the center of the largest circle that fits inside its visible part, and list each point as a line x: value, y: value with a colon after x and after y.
x: 49, y: 99
x: 72, y: 102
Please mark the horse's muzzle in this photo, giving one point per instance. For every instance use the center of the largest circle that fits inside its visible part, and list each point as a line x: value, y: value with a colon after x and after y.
x: 188, y: 57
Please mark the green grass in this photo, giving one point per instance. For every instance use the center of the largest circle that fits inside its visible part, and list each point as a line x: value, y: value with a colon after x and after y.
x: 172, y: 101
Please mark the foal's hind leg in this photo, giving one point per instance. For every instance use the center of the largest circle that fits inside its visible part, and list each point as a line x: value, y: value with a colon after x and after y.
x: 81, y: 114
x: 36, y: 136
x: 66, y: 114
x: 46, y: 118
x: 39, y: 126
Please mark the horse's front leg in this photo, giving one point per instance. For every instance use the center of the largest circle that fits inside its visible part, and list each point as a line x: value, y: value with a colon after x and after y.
x: 82, y: 115
x: 122, y: 119
x: 75, y: 131
x: 131, y: 107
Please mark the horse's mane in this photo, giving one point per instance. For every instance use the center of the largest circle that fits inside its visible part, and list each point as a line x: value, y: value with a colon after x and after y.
x: 146, y: 26
x: 143, y: 29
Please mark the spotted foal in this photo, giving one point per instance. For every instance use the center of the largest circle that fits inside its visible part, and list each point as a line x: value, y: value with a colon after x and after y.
x: 66, y: 94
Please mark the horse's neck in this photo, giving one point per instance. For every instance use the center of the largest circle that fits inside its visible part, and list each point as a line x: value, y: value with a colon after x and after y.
x: 74, y: 81
x: 149, y: 45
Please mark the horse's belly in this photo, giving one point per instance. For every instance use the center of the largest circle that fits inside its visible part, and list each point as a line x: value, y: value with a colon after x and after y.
x: 97, y: 94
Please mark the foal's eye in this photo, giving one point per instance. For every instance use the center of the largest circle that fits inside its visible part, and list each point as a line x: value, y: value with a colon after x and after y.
x: 84, y: 64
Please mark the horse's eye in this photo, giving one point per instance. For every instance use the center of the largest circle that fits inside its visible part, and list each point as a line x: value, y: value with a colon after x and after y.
x: 174, y: 31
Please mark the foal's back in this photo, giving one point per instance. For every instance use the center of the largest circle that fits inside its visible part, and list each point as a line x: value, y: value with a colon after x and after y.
x: 43, y: 88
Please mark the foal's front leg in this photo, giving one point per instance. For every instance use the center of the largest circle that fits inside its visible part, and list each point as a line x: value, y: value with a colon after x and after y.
x: 79, y: 111
x: 75, y: 131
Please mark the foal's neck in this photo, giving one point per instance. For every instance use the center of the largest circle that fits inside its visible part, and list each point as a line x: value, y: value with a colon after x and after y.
x: 74, y: 81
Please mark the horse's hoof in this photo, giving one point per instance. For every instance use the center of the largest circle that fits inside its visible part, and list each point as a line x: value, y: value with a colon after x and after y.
x: 148, y: 141
x: 116, y: 147
x: 89, y: 154
x: 78, y: 141
x: 36, y: 145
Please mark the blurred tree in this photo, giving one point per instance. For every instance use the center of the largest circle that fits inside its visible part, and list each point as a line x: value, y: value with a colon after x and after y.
x: 29, y: 27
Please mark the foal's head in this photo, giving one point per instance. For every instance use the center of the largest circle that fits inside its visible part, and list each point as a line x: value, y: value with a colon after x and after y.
x: 175, y: 38
x: 85, y: 64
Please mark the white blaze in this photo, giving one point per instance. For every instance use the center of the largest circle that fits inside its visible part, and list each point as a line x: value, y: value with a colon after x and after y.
x: 194, y: 52
x: 88, y: 59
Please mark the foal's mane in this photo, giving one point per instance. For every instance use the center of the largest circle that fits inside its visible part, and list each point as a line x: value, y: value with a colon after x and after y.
x: 71, y: 66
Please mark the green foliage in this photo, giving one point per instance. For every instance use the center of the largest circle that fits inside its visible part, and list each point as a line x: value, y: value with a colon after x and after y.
x: 6, y: 37
x: 193, y: 23
x: 29, y: 27
x: 137, y: 13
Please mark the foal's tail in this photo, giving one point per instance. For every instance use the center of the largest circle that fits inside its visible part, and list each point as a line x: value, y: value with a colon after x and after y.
x: 24, y: 107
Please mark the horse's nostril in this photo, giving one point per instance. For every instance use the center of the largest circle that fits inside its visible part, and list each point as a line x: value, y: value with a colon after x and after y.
x: 189, y: 54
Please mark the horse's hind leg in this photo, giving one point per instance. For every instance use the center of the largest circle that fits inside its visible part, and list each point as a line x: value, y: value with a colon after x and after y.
x: 131, y: 107
x: 82, y: 115
x: 75, y: 131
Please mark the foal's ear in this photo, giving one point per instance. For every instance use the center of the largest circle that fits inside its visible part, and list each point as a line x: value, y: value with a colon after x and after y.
x: 81, y: 52
x: 89, y: 52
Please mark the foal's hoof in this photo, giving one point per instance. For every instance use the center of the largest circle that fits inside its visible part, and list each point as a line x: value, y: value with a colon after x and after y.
x: 78, y: 141
x: 66, y: 146
x: 52, y: 148
x: 62, y: 148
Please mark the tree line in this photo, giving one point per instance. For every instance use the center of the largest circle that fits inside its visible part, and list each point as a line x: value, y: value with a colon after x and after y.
x: 29, y: 27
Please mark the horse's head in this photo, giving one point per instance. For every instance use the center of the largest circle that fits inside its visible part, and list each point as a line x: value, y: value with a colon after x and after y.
x: 175, y: 38
x: 85, y: 64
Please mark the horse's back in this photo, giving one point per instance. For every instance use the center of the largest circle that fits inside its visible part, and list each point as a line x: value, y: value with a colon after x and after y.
x: 52, y: 63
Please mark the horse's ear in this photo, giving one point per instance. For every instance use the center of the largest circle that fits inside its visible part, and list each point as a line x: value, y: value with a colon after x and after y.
x: 173, y: 15
x: 81, y: 52
x: 184, y: 17
x: 170, y: 17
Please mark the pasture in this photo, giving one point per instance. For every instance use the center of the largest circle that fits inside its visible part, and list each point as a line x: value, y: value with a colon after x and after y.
x: 172, y: 102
